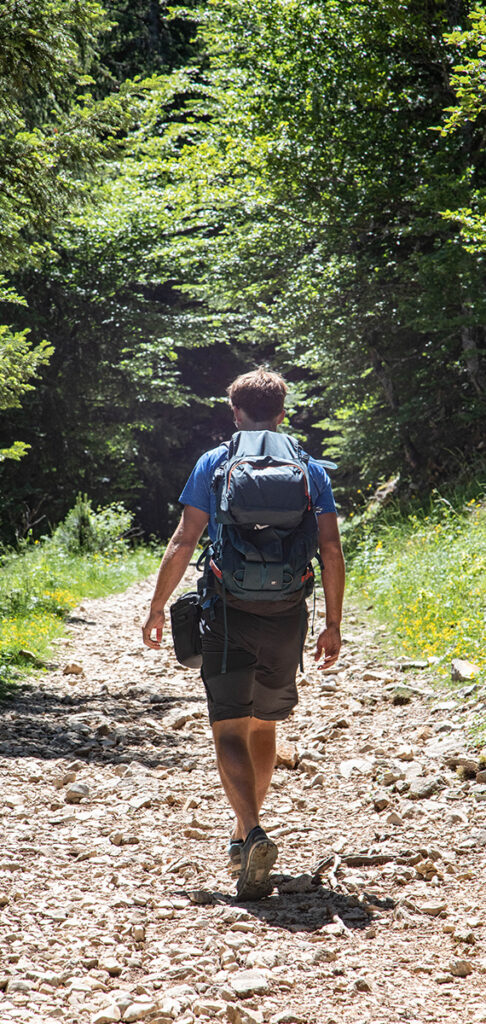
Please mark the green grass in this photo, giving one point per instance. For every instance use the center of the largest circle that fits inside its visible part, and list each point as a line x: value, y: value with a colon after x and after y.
x: 40, y: 586
x: 425, y: 576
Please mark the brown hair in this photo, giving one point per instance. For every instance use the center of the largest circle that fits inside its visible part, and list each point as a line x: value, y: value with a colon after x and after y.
x: 260, y: 393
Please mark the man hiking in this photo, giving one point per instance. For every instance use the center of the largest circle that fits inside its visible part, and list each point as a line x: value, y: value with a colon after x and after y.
x: 252, y: 644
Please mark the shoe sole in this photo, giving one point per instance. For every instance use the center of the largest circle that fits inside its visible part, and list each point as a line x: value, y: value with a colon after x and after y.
x: 253, y: 882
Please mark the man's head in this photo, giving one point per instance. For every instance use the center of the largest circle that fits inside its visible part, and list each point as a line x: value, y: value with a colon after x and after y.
x: 257, y: 400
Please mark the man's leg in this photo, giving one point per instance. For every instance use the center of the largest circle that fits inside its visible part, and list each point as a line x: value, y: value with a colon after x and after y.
x: 246, y: 755
x: 263, y: 754
x: 245, y: 749
x: 232, y: 742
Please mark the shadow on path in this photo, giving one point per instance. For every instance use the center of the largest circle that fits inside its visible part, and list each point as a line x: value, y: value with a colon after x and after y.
x: 112, y: 727
x: 307, y: 911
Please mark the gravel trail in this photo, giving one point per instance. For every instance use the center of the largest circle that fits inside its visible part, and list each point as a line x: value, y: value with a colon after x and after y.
x: 116, y: 903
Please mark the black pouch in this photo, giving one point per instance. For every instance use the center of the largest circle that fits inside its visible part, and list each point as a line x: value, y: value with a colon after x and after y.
x: 185, y: 616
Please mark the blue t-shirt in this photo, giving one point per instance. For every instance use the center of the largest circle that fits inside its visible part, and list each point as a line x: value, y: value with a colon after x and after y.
x: 198, y: 493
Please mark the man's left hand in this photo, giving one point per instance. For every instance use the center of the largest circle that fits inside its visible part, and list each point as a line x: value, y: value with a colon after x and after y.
x: 329, y: 644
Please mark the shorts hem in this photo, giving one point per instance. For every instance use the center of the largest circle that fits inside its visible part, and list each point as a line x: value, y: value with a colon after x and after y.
x: 223, y: 716
x: 277, y: 716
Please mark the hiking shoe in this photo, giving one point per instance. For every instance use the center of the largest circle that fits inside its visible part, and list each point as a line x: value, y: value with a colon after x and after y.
x: 234, y: 854
x: 258, y: 855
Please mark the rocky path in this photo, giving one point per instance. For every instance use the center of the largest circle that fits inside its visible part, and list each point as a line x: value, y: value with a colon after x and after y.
x: 116, y: 903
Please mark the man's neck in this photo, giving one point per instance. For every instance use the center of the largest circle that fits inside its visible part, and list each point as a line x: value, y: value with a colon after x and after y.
x: 247, y: 424
x: 258, y: 426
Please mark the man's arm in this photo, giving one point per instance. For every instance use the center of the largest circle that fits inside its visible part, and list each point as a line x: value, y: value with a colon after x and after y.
x: 329, y: 640
x: 177, y: 556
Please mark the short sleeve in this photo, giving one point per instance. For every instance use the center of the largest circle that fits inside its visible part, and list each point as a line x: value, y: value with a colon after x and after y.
x: 321, y: 489
x: 197, y: 489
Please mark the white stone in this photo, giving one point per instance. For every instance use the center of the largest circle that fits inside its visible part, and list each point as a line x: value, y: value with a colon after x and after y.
x: 363, y: 765
x: 209, y: 1008
x: 170, y: 1006
x: 246, y: 983
x: 138, y: 1011
x: 462, y: 671
x: 405, y: 753
x: 139, y: 802
x: 263, y: 958
x: 111, y: 966
x: 108, y: 1015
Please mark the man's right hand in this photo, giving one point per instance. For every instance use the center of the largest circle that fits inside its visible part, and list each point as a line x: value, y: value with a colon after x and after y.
x: 155, y: 620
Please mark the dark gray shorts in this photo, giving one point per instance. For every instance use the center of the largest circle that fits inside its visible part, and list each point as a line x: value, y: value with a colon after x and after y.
x: 262, y: 662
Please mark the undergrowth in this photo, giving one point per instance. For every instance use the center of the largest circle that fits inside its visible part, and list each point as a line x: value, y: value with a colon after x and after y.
x: 424, y: 574
x: 44, y: 580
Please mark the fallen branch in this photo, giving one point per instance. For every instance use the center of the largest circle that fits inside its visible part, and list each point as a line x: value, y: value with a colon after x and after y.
x: 360, y: 860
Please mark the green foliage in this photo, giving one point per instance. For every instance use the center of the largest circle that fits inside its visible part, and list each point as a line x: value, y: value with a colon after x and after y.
x: 424, y: 574
x: 467, y: 79
x: 466, y: 118
x: 46, y: 52
x: 54, y: 133
x: 282, y: 196
x: 40, y: 585
x: 310, y: 205
x: 85, y: 530
x: 18, y: 363
x: 43, y: 52
x: 111, y: 406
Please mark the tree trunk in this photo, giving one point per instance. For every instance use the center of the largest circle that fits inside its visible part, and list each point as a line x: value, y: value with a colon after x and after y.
x: 153, y: 22
x: 472, y: 360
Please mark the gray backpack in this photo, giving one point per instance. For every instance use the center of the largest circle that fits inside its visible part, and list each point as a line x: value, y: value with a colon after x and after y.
x: 267, y: 527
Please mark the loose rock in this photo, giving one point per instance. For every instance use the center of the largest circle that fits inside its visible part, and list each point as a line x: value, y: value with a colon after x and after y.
x: 17, y: 985
x: 76, y: 792
x: 460, y: 968
x: 108, y: 1015
x: 287, y: 755
x: 462, y: 671
x: 381, y: 799
x: 116, y: 884
x: 433, y: 909
x: 73, y: 669
x: 394, y: 819
x: 138, y: 1011
x: 247, y: 983
x: 422, y: 788
x: 402, y: 695
x: 111, y: 966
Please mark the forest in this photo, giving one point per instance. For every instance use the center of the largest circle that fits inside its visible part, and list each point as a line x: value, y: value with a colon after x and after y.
x: 189, y: 191
x: 192, y: 191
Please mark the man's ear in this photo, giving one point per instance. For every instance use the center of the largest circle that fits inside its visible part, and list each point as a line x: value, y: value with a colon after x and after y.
x: 236, y: 415
x: 280, y: 417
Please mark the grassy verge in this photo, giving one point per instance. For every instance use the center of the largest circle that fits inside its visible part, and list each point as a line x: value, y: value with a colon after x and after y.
x: 41, y: 585
x: 425, y: 576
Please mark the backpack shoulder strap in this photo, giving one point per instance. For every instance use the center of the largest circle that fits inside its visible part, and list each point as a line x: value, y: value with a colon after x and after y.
x: 326, y: 463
